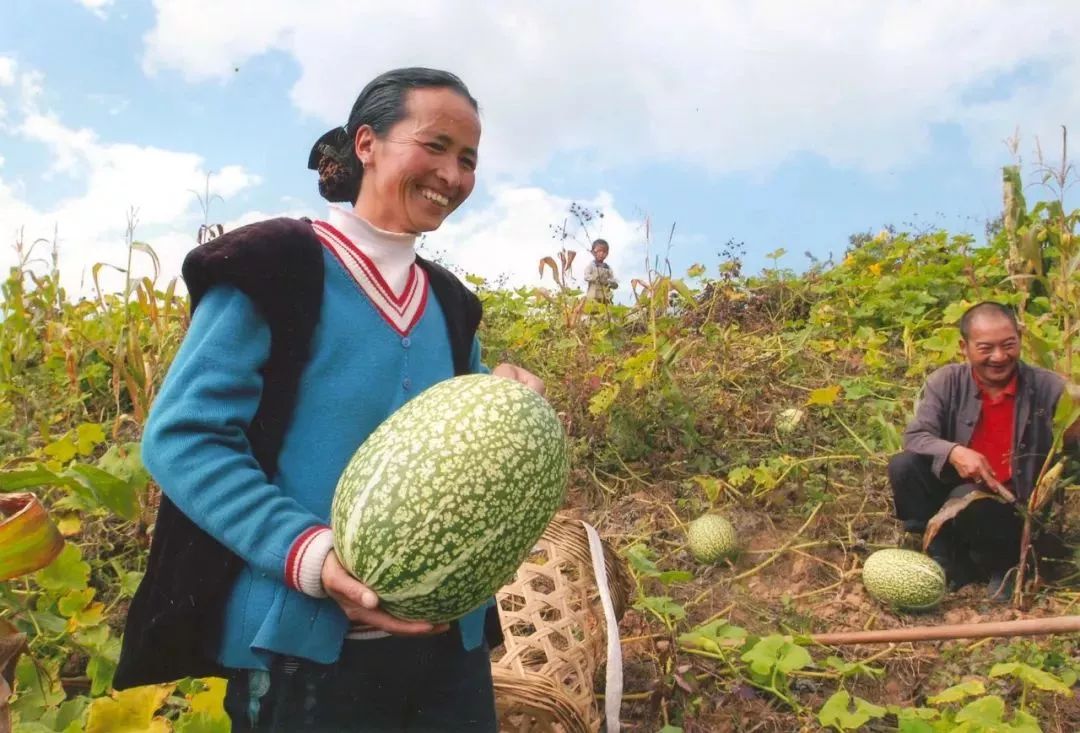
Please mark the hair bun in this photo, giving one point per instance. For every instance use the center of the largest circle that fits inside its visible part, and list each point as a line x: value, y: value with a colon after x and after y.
x: 333, y: 157
x: 332, y: 143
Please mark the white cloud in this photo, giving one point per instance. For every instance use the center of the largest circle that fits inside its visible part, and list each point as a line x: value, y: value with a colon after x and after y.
x: 114, y: 179
x: 721, y: 85
x: 7, y: 71
x: 114, y: 104
x: 97, y: 7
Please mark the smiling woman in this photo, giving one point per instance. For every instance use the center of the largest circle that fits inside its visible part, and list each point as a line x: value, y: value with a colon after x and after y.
x: 305, y: 337
x: 408, y: 155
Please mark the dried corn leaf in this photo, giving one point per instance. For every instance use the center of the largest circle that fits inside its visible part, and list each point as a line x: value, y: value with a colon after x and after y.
x: 1044, y: 492
x: 948, y: 510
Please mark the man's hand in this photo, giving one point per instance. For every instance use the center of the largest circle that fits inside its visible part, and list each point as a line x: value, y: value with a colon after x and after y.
x: 360, y: 603
x: 509, y: 371
x: 973, y: 465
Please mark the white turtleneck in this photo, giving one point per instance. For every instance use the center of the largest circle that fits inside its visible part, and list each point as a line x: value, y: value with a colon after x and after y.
x: 393, y: 253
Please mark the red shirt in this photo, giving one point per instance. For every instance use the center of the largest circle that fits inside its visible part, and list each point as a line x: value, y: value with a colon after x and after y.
x: 993, y: 436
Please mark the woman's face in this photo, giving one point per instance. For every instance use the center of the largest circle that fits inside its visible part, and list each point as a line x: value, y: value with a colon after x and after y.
x: 425, y: 165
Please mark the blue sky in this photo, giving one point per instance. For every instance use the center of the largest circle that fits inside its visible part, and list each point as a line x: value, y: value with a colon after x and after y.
x: 776, y: 124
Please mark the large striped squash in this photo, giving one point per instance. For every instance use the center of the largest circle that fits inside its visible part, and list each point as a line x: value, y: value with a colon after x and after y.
x: 904, y: 579
x: 441, y: 504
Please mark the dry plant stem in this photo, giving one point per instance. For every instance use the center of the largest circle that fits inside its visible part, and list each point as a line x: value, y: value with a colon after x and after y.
x: 1025, y: 536
x: 819, y: 591
x: 772, y: 558
x: 1025, y: 550
x: 722, y: 613
x: 996, y: 629
x: 821, y: 561
x: 630, y: 471
x: 802, y: 546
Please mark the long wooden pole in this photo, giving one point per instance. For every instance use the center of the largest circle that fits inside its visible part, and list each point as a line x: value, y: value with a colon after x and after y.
x: 1001, y: 629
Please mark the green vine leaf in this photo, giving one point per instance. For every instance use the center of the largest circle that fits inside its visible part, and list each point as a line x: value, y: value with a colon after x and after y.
x: 67, y: 572
x: 1036, y: 677
x: 839, y: 713
x: 958, y: 692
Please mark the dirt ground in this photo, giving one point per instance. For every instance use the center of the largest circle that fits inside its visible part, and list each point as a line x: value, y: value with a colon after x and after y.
x: 811, y: 586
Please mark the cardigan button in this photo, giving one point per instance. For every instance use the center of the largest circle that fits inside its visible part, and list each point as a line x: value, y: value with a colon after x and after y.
x: 406, y: 342
x: 406, y: 383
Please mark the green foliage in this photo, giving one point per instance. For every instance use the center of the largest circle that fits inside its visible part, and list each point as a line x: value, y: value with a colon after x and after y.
x: 643, y: 568
x: 966, y: 706
x: 76, y: 380
x: 766, y: 662
x: 843, y: 712
x: 776, y: 391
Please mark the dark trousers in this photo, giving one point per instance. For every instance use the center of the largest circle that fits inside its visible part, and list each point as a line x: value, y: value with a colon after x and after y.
x: 399, y: 684
x: 987, y: 532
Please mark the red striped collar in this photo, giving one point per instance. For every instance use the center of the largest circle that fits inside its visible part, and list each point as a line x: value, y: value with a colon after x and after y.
x: 401, y: 311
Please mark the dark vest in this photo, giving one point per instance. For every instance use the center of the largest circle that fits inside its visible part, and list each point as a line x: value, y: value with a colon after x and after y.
x: 173, y: 626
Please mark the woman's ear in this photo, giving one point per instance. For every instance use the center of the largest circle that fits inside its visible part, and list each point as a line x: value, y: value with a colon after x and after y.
x: 364, y: 144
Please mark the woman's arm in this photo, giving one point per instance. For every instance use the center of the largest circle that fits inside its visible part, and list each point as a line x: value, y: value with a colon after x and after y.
x: 196, y: 447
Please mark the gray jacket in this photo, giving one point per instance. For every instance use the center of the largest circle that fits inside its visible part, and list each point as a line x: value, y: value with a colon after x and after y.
x: 601, y: 280
x: 950, y: 406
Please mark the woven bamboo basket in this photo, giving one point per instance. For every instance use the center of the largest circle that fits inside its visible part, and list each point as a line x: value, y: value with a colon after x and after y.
x: 555, y: 634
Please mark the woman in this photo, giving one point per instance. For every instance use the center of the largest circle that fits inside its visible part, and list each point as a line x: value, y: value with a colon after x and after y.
x: 263, y: 407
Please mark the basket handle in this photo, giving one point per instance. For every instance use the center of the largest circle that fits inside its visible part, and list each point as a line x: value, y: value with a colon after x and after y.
x: 613, y: 687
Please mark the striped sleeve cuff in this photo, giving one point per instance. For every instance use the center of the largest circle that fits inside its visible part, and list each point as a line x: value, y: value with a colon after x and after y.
x: 303, y: 566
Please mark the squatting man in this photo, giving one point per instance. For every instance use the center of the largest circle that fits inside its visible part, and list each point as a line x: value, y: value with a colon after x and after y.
x: 983, y: 425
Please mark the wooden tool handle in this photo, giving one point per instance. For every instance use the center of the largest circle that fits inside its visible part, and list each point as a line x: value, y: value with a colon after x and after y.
x: 1001, y: 629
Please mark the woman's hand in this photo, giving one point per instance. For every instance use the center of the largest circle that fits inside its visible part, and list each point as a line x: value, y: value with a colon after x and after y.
x: 530, y: 380
x: 361, y: 604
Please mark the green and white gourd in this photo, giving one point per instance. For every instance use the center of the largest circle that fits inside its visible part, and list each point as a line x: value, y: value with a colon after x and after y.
x: 904, y: 579
x: 711, y: 538
x: 442, y: 503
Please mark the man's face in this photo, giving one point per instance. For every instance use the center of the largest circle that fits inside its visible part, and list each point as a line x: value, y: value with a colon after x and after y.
x: 992, y: 348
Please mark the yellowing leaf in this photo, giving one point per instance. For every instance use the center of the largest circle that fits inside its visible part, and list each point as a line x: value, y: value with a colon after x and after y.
x: 62, y: 450
x: 212, y: 699
x: 29, y: 540
x: 75, y: 601
x: 89, y: 435
x: 69, y: 526
x: 130, y: 711
x: 1032, y: 675
x: 824, y: 396
x: 968, y: 688
x: 601, y: 402
x: 92, y: 615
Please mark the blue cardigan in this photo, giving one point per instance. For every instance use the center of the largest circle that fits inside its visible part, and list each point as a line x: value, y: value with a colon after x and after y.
x: 194, y: 444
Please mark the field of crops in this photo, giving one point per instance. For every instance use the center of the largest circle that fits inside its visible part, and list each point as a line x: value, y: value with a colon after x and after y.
x: 774, y: 399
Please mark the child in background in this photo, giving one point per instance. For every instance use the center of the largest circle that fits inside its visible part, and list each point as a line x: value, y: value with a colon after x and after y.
x: 598, y: 274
